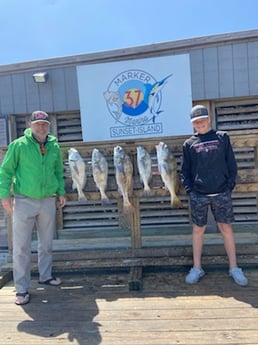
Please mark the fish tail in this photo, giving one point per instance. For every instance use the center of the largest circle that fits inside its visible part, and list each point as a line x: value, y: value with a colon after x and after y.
x: 128, y: 208
x: 105, y: 200
x: 176, y: 202
x: 147, y: 190
x: 82, y: 197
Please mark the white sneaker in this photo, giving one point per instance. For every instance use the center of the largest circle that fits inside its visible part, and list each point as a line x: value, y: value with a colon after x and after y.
x: 194, y: 275
x: 238, y: 276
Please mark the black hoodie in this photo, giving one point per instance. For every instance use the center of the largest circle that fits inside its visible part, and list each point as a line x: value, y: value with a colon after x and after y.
x: 209, y: 165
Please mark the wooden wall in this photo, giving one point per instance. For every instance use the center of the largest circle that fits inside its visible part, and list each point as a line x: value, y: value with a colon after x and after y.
x: 223, y: 71
x: 155, y: 222
x: 19, y: 94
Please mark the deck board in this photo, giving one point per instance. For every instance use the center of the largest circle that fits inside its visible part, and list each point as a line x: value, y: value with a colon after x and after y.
x: 91, y: 309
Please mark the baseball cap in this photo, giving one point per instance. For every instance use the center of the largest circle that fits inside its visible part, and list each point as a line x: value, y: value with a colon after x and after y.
x: 198, y: 112
x: 39, y: 116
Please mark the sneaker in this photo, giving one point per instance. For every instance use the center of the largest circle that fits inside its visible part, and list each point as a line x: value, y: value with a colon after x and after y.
x: 238, y: 276
x: 194, y: 275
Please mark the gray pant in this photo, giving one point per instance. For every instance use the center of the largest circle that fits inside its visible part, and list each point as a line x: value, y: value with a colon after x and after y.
x: 26, y: 213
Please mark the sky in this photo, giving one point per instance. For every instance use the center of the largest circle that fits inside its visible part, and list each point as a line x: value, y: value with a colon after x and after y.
x: 44, y: 29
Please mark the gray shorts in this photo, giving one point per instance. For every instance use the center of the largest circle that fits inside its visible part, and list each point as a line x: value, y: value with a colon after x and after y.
x: 220, y: 204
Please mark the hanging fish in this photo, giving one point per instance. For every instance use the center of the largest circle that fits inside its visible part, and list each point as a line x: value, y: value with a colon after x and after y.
x: 124, y: 176
x: 144, y: 168
x: 168, y: 171
x: 100, y: 173
x: 78, y: 172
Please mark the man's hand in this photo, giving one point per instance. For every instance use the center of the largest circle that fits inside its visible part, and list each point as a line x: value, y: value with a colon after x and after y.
x: 8, y: 204
x: 62, y: 201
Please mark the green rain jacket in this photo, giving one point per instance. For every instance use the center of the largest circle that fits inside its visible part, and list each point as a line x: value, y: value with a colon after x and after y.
x: 26, y: 171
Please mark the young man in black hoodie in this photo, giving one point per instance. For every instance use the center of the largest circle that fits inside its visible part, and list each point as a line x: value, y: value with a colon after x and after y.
x: 208, y: 174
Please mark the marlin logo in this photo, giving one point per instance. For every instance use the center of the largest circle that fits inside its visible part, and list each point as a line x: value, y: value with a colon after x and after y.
x: 134, y: 97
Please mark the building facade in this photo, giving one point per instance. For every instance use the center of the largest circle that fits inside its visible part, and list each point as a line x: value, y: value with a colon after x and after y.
x: 224, y: 72
x: 224, y: 77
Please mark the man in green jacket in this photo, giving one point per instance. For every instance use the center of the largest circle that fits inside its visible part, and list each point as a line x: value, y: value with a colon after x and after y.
x: 31, y: 177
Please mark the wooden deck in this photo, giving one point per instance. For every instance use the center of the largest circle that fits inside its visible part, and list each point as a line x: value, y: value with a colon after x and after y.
x: 91, y: 309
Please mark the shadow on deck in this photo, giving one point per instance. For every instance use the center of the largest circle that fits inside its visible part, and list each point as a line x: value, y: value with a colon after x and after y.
x: 97, y: 308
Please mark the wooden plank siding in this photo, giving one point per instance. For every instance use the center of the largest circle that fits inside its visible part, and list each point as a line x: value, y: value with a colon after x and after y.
x: 234, y: 116
x: 65, y: 125
x: 224, y: 71
x: 3, y: 131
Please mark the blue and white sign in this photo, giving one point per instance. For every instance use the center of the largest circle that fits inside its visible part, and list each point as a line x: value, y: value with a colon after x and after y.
x: 143, y: 98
